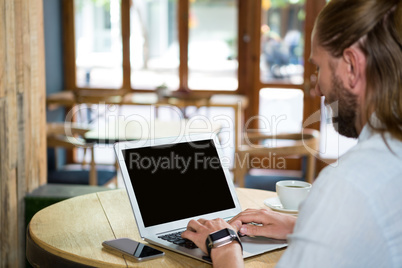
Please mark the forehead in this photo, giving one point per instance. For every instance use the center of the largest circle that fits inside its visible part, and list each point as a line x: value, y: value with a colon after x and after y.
x: 315, y: 49
x: 318, y: 53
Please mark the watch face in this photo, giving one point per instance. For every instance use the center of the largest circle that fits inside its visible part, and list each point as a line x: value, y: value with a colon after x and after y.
x: 220, y: 234
x: 221, y: 238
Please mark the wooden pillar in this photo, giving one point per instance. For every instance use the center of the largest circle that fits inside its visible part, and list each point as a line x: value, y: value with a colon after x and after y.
x: 22, y: 120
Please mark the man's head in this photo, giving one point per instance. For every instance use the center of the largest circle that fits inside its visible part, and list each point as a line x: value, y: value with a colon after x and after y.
x: 357, y: 47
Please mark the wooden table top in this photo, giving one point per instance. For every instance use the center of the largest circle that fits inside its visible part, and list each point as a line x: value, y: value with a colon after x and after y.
x: 74, y: 229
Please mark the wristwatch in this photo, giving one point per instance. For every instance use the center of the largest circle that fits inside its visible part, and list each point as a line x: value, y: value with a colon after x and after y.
x: 221, y: 238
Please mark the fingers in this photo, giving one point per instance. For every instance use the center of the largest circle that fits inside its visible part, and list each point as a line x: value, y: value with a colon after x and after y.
x: 198, y: 230
x: 251, y: 222
x: 195, y: 232
x: 194, y: 225
x: 259, y: 216
x: 246, y: 212
x: 255, y: 230
x: 236, y: 225
x: 264, y: 222
x: 188, y: 234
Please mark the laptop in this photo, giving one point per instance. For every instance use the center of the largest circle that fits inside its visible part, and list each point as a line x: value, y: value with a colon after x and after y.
x: 170, y: 181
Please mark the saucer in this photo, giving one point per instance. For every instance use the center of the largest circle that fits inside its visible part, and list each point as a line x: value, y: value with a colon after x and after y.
x: 275, y: 204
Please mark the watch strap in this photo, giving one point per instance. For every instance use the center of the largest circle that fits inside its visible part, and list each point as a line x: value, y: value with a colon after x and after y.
x: 210, y: 247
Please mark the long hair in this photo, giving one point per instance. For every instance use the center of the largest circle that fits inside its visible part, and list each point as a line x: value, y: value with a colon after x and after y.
x: 377, y: 27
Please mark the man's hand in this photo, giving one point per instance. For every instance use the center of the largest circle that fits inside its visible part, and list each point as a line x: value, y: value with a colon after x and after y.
x: 226, y: 256
x: 198, y: 230
x: 269, y: 223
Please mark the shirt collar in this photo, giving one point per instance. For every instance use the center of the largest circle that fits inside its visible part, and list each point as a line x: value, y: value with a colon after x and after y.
x: 367, y: 131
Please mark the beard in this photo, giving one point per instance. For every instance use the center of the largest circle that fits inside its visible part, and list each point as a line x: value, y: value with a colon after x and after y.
x: 344, y: 113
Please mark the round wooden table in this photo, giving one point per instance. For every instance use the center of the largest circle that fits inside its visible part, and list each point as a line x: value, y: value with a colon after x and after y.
x: 71, y: 232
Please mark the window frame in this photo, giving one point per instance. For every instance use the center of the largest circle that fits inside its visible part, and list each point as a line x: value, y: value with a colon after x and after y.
x: 183, y: 7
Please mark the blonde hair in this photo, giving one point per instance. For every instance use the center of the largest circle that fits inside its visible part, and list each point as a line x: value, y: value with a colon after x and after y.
x: 377, y: 27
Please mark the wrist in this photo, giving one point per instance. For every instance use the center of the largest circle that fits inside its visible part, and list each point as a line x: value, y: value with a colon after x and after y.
x: 233, y: 247
x: 221, y: 238
x: 222, y: 255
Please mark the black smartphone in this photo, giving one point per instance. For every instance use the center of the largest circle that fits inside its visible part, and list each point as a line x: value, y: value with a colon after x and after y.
x: 132, y: 249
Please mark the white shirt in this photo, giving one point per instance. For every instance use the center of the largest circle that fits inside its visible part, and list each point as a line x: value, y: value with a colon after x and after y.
x: 353, y: 215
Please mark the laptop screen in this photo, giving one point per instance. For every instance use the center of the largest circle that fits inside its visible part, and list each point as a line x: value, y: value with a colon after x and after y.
x: 177, y: 181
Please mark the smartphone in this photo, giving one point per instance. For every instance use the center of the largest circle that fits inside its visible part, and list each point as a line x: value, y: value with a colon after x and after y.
x: 133, y: 249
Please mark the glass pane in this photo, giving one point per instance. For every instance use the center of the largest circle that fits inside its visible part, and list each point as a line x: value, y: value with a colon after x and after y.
x: 212, y: 55
x: 154, y: 47
x: 98, y: 43
x: 281, y: 110
x: 282, y: 41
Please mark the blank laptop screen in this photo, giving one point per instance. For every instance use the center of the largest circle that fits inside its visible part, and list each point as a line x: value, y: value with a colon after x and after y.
x: 177, y: 181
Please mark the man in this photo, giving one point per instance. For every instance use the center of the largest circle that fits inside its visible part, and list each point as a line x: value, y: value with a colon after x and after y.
x: 353, y: 215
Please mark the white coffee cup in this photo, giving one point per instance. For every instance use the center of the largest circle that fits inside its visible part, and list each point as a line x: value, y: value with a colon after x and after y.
x: 292, y: 193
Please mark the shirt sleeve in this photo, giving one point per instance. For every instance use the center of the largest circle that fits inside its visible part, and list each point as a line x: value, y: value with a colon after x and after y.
x: 336, y: 228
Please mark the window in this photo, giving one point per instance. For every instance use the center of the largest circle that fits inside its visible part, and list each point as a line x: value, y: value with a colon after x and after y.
x: 172, y: 43
x: 282, y: 41
x: 212, y: 47
x: 98, y: 44
x: 224, y: 46
x: 186, y: 44
x: 154, y: 44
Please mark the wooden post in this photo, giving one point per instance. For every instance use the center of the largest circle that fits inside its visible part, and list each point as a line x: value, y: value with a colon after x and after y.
x: 22, y: 120
x: 182, y: 20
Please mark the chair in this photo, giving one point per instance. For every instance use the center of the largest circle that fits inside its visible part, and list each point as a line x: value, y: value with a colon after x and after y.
x: 57, y: 138
x: 304, y: 145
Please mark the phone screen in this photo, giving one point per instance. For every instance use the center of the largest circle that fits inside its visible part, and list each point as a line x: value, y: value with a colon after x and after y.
x: 133, y: 248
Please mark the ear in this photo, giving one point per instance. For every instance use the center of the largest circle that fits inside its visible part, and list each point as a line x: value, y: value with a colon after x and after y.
x: 354, y: 60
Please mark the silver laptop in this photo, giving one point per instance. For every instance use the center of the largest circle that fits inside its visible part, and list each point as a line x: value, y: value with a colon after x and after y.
x: 170, y: 181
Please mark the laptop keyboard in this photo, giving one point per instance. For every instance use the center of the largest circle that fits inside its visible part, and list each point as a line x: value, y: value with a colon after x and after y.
x: 176, y: 238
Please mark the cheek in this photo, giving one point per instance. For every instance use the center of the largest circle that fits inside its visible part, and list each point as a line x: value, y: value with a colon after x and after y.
x: 321, y: 86
x: 324, y: 83
x: 317, y: 89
